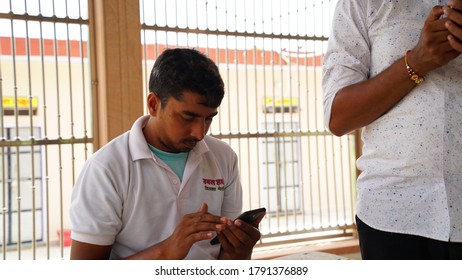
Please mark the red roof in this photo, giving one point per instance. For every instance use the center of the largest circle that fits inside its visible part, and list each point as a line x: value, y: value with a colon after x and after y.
x: 76, y: 48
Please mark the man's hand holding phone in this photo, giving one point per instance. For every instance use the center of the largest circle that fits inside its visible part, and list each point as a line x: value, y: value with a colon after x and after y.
x: 192, y: 228
x: 240, y: 236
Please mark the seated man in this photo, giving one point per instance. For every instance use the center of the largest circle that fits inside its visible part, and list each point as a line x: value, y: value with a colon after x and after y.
x: 163, y: 189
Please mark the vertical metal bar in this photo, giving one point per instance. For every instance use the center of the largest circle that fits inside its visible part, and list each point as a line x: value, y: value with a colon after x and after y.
x: 217, y: 52
x: 319, y: 187
x: 292, y: 141
x: 334, y: 179
x: 197, y: 21
x: 284, y: 187
x: 10, y: 188
x: 227, y: 72
x: 309, y: 182
x: 146, y: 45
x: 4, y: 210
x: 207, y: 26
x: 218, y: 62
x: 31, y: 132
x: 176, y: 21
x: 187, y: 22
x: 297, y: 194
x: 16, y: 121
x: 342, y: 179
x: 273, y: 120
x: 60, y: 166
x: 236, y: 84
x: 301, y: 181
x: 326, y: 161
x: 353, y: 172
x: 247, y: 114
x: 264, y: 122
x: 71, y: 92
x: 255, y: 86
x: 45, y: 135
x: 156, y: 54
x: 84, y: 87
x: 166, y: 32
x: 278, y: 124
x: 4, y: 185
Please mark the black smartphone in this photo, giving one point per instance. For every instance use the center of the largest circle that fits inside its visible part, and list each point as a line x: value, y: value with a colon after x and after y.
x: 248, y: 217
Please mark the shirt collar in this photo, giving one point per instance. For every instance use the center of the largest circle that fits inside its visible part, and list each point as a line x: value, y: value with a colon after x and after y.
x: 139, y: 146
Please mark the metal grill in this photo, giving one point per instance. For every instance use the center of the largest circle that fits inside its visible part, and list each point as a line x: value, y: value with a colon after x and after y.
x: 270, y: 56
x: 45, y: 123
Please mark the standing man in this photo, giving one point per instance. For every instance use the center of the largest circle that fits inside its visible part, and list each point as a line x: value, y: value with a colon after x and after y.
x: 163, y: 189
x: 394, y: 69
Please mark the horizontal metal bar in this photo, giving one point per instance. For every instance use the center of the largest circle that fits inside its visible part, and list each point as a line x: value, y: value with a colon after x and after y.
x: 41, y: 18
x: 272, y: 134
x: 33, y: 142
x: 232, y: 33
x: 40, y: 142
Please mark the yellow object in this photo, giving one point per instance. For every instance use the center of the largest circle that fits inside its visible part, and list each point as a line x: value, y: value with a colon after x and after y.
x: 23, y: 102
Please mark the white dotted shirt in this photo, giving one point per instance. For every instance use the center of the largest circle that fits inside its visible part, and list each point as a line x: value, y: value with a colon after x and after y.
x: 411, y: 180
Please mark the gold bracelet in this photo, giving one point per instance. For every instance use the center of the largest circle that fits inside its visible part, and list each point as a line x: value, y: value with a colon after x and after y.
x: 414, y: 76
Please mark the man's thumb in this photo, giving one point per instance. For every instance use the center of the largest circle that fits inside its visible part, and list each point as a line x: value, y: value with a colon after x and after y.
x: 204, y: 207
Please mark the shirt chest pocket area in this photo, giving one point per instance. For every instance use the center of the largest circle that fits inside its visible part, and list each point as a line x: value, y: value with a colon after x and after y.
x: 213, y: 196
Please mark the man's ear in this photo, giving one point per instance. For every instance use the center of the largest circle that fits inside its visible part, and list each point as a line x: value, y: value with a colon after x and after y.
x: 153, y: 103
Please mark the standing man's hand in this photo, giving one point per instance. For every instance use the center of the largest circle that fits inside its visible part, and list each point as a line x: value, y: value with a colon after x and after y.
x: 434, y: 48
x: 453, y: 11
x: 238, y: 239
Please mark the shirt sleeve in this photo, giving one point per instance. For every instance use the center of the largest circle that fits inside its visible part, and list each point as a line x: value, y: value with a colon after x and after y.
x: 347, y: 60
x: 96, y: 206
x: 232, y: 201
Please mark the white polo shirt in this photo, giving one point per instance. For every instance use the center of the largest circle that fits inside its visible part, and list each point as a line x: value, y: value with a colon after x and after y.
x: 128, y: 197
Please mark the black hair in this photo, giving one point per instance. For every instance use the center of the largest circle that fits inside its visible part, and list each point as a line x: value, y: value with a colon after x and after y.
x: 180, y: 69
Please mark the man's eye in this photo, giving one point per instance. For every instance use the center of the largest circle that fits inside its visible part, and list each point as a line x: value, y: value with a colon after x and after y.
x: 188, y: 119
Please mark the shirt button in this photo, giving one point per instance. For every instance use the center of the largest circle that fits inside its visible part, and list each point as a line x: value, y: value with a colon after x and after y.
x: 175, y: 181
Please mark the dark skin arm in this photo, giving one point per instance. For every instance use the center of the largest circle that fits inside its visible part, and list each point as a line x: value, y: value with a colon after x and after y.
x: 192, y: 228
x: 86, y: 251
x: 352, y: 109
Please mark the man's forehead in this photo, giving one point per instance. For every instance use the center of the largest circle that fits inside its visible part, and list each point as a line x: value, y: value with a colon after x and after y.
x: 192, y: 106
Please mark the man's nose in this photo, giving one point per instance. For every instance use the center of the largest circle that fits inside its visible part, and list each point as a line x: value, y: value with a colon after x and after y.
x: 199, y: 129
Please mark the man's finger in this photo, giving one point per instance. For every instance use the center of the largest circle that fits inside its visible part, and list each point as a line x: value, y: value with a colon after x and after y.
x: 435, y: 14
x: 204, y: 208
